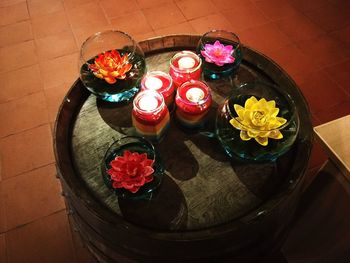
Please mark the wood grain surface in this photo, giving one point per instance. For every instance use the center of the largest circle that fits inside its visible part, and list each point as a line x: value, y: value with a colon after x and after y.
x: 208, y: 187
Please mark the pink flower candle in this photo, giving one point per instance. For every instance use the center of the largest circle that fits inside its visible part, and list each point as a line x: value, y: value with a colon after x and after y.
x: 193, y: 100
x: 185, y: 66
x: 150, y: 115
x: 160, y: 82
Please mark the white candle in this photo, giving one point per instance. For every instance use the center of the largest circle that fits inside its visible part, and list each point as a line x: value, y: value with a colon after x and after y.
x: 153, y: 83
x: 148, y: 103
x: 186, y: 63
x: 195, y: 94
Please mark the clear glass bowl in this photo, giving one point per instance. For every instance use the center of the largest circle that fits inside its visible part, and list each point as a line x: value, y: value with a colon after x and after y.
x: 250, y: 150
x: 221, y: 53
x: 111, y: 65
x: 139, y: 145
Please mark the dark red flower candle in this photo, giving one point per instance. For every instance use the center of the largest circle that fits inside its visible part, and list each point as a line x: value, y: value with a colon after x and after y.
x: 131, y: 171
x: 150, y: 115
x: 160, y: 82
x: 193, y: 100
x: 185, y: 65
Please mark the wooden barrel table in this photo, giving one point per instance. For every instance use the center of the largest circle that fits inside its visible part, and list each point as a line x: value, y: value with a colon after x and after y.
x: 208, y: 208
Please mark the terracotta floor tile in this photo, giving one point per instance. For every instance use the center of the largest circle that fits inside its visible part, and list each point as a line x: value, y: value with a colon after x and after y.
x: 342, y: 35
x: 325, y: 50
x: 3, y: 254
x: 49, y: 25
x: 150, y: 3
x: 83, y: 32
x: 276, y: 9
x: 207, y: 23
x: 309, y: 5
x: 68, y: 4
x: 166, y: 15
x: 33, y: 148
x: 139, y: 25
x: 56, y: 45
x: 90, y: 14
x: 45, y: 240
x: 144, y: 36
x: 330, y: 17
x: 5, y: 3
x: 19, y: 83
x: 321, y: 91
x: 15, y: 33
x: 340, y: 3
x: 318, y: 156
x: 334, y: 112
x: 2, y: 213
x: 40, y: 7
x: 45, y: 196
x: 224, y: 5
x: 13, y: 13
x: 114, y: 8
x: 340, y: 74
x: 196, y: 8
x: 182, y: 28
x: 298, y: 27
x: 265, y: 38
x: 295, y: 62
x: 58, y: 71
x: 23, y: 114
x: 18, y: 56
x: 245, y: 15
x: 54, y: 97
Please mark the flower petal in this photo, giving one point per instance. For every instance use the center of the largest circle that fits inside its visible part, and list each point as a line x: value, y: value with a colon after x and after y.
x: 262, y: 140
x: 244, y: 136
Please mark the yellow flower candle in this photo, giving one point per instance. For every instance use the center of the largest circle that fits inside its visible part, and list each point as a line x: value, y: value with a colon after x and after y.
x: 258, y: 120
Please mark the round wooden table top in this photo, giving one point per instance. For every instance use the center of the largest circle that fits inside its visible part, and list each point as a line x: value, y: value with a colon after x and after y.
x: 202, y: 188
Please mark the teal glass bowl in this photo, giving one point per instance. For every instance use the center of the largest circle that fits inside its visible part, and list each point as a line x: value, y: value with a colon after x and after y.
x: 139, y: 145
x: 250, y: 150
x: 207, y: 50
x: 111, y: 78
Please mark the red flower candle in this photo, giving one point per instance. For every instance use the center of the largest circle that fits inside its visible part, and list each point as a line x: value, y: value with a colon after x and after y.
x: 150, y: 115
x: 160, y: 82
x: 193, y: 100
x: 184, y: 66
x: 131, y: 171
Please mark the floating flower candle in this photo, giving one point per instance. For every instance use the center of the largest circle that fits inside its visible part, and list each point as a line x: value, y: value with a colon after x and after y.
x: 185, y: 66
x: 193, y: 100
x: 160, y: 82
x: 150, y: 115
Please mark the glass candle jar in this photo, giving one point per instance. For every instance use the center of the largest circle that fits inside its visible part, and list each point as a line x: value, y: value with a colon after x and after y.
x: 193, y: 100
x: 221, y: 53
x: 111, y: 65
x: 162, y: 83
x: 150, y: 115
x: 185, y: 65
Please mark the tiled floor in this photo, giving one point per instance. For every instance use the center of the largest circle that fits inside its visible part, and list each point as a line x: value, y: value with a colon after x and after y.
x: 39, y: 43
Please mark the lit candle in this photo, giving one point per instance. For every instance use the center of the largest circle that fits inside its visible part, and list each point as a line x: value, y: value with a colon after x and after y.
x: 195, y: 94
x: 184, y: 66
x: 193, y: 100
x: 162, y: 83
x: 150, y: 116
x: 148, y: 103
x: 186, y: 63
